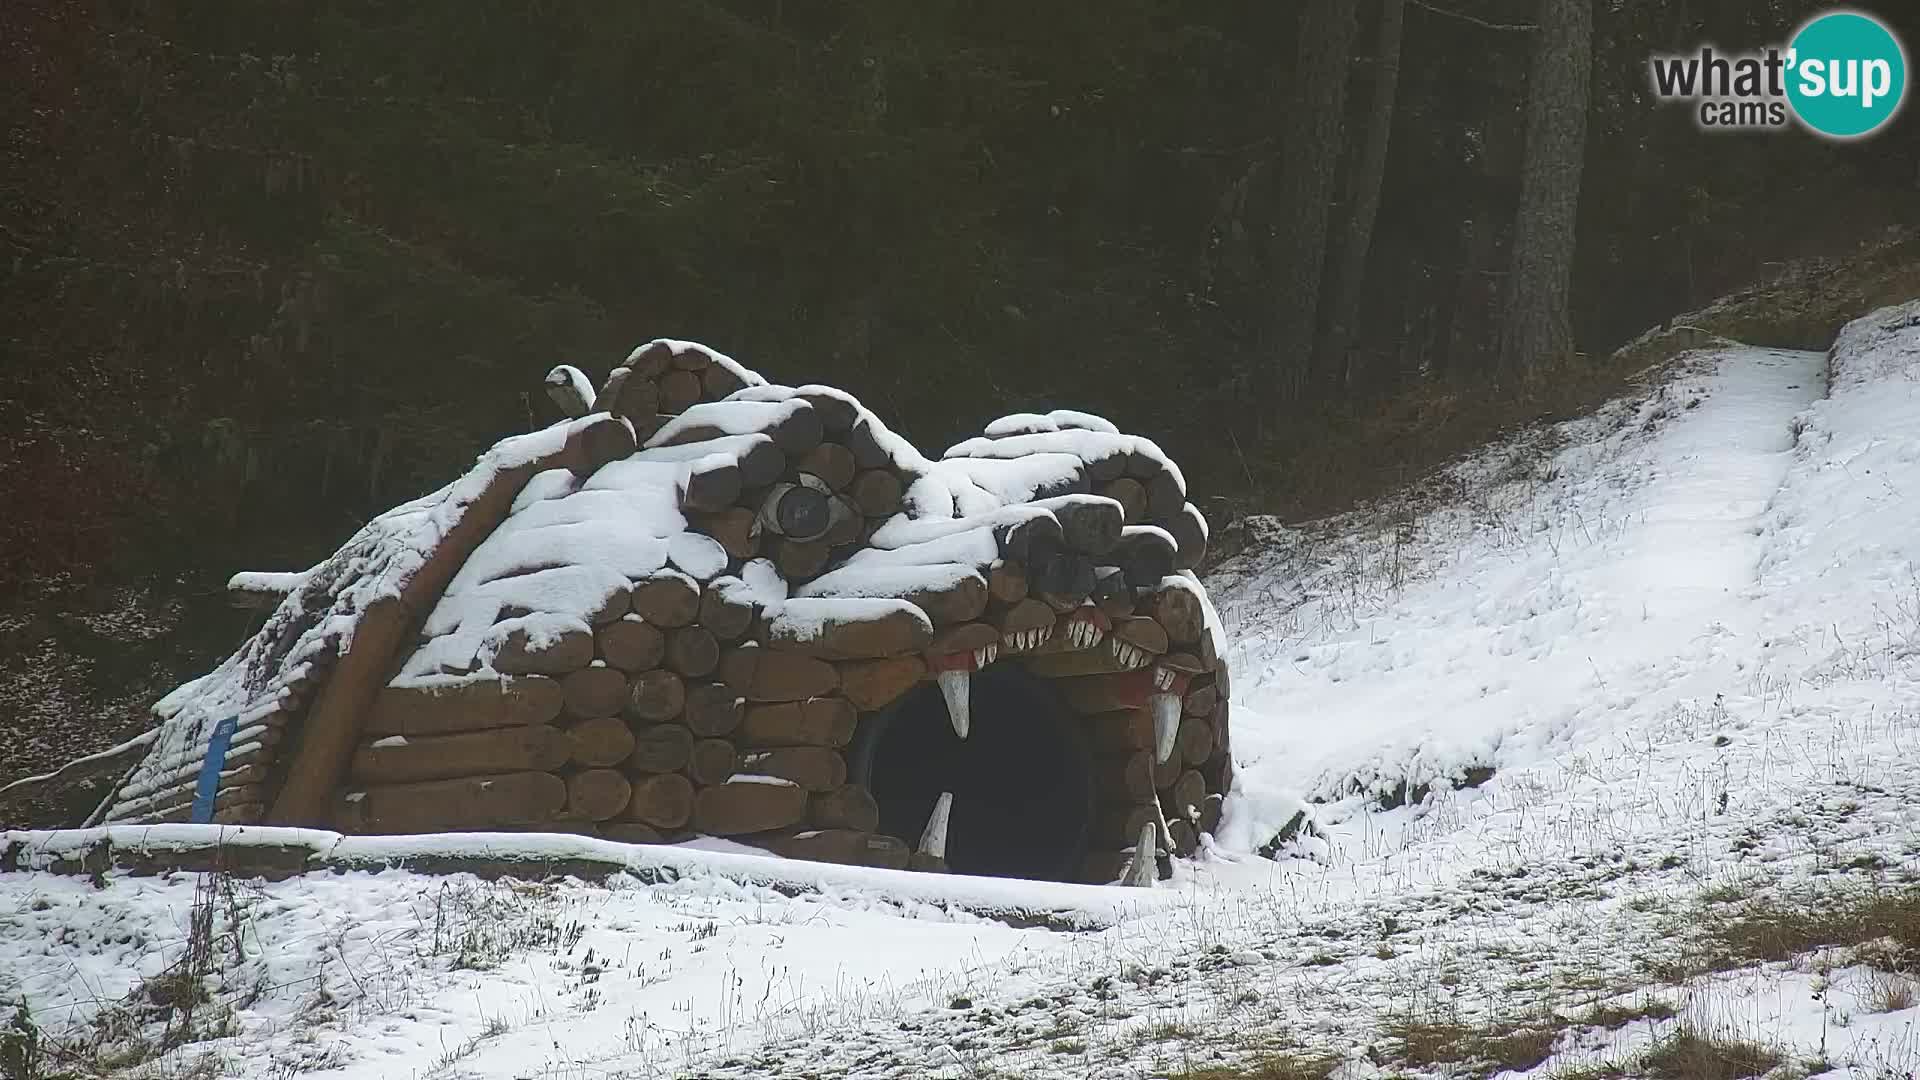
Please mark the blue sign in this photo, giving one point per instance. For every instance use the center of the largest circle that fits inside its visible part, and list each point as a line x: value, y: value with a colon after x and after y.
x: 209, y: 784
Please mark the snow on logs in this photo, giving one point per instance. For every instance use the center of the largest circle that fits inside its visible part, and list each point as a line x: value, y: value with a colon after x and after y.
x: 687, y: 641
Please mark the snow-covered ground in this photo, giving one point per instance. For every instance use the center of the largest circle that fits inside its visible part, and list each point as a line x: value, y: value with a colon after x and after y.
x: 1629, y: 675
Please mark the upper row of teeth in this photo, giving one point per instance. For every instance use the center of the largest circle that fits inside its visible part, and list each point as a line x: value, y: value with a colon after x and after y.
x: 1023, y: 640
x: 1084, y: 634
x: 1128, y: 654
x: 985, y: 655
x: 1162, y: 679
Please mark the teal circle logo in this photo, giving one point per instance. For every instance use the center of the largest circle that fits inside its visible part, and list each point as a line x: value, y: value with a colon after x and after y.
x: 1846, y: 74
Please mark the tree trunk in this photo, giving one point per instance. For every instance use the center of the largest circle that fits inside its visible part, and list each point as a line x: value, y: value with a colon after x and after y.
x: 1534, y: 328
x: 1364, y: 205
x: 1316, y: 113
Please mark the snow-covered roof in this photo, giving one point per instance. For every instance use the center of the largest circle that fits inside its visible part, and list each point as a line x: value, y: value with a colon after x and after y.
x: 713, y: 452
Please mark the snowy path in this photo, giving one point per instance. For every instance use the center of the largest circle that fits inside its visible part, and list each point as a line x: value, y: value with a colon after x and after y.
x: 1684, y: 634
x: 1607, y: 583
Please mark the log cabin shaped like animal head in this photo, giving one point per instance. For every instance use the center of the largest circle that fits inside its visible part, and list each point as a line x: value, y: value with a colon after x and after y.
x: 716, y: 606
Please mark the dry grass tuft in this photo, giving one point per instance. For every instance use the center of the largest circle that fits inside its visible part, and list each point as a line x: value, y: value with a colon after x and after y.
x: 1270, y: 1067
x: 1501, y: 1046
x: 1689, y: 1054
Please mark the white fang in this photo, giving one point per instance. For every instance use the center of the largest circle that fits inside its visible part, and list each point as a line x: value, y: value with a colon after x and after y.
x: 1166, y: 725
x: 1142, y: 872
x: 933, y: 839
x: 956, y: 687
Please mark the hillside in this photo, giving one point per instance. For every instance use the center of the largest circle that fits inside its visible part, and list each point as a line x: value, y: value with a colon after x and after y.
x: 1591, y: 761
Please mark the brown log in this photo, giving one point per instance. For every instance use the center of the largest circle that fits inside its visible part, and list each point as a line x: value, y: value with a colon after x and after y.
x: 1007, y: 584
x: 1200, y: 700
x: 1072, y: 663
x: 468, y: 705
x: 679, y: 390
x: 653, y: 359
x: 1195, y: 741
x: 630, y: 645
x: 1219, y: 723
x: 1028, y: 614
x: 1178, y: 609
x: 692, y: 651
x: 1185, y: 838
x: 849, y: 807
x: 1089, y: 524
x: 1142, y: 632
x: 717, y: 381
x: 1145, y: 554
x: 832, y: 463
x: 600, y: 742
x: 668, y: 599
x: 793, y: 425
x: 848, y: 847
x: 656, y: 695
x: 815, y: 768
x: 596, y: 442
x: 1189, y: 529
x: 1181, y: 661
x: 877, y: 492
x: 874, y: 684
x: 1183, y: 799
x: 1106, y: 693
x: 630, y: 832
x: 761, y: 463
x: 469, y: 802
x: 597, y: 794
x: 1210, y: 813
x: 1121, y: 730
x: 799, y: 560
x: 712, y: 709
x: 1064, y: 579
x: 567, y: 651
x: 837, y: 412
x: 815, y: 722
x: 409, y: 758
x: 740, y: 806
x: 1124, y: 777
x: 594, y: 691
x: 724, y: 611
x: 712, y: 486
x: 693, y: 359
x: 1164, y: 496
x: 1131, y: 494
x: 864, y: 440
x: 961, y: 600
x: 663, y: 801
x: 1111, y: 593
x: 630, y: 394
x: 823, y: 630
x: 661, y: 748
x: 963, y: 638
x: 711, y: 761
x: 760, y: 674
x: 1167, y: 773
x: 734, y: 529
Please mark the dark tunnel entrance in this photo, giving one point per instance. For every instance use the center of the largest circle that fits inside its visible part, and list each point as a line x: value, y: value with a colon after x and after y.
x: 1022, y: 790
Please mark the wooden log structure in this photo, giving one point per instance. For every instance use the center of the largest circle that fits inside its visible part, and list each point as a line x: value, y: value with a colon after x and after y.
x: 691, y: 702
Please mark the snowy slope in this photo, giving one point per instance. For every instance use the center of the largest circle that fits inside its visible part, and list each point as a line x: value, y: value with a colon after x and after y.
x: 1683, y: 635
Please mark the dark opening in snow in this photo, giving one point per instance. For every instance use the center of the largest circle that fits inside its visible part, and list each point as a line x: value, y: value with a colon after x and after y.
x: 1022, y: 793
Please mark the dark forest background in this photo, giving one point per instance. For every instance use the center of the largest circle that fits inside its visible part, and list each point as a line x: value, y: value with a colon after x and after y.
x: 268, y: 267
